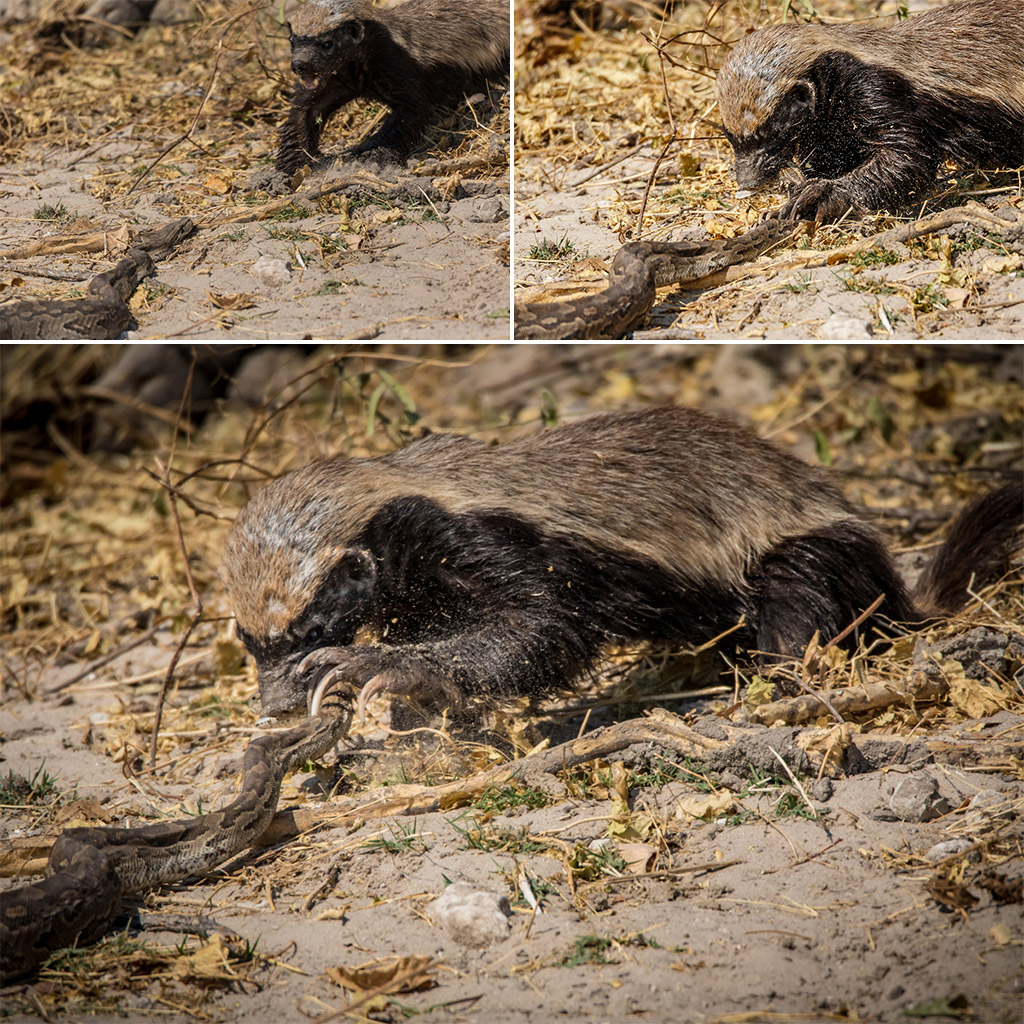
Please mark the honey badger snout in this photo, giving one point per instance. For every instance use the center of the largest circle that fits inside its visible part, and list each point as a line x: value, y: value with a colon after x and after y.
x: 288, y: 648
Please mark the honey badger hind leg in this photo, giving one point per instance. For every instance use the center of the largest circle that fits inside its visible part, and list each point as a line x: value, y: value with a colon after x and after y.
x: 821, y: 582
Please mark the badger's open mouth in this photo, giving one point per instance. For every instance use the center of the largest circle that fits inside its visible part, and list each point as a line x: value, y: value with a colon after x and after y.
x: 310, y: 82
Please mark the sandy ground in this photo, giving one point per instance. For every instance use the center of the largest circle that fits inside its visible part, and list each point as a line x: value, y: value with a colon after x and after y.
x: 406, y: 263
x: 849, y: 300
x: 826, y: 919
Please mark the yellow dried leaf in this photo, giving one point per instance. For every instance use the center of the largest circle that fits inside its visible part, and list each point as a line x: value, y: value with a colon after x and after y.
x: 638, y: 857
x: 209, y: 961
x: 634, y: 829
x: 706, y: 805
x: 217, y: 185
x: 758, y: 692
x: 390, y: 975
x: 239, y: 300
x: 973, y: 698
x: 1004, y: 264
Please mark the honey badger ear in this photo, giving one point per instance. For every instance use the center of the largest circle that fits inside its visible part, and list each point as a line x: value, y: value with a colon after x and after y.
x: 351, y: 581
x: 354, y: 31
x: 804, y: 93
x: 358, y: 565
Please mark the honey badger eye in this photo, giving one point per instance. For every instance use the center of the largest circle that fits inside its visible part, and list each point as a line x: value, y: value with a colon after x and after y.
x: 314, y: 635
x: 327, y: 45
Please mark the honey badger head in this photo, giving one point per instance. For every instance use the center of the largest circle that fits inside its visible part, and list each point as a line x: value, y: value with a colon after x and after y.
x: 325, y: 34
x: 294, y: 583
x: 768, y: 105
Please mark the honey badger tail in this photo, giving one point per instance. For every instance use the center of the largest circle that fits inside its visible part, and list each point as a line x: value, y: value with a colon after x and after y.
x: 978, y: 546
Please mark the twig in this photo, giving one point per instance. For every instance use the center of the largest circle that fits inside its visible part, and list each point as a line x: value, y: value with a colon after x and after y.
x: 191, y: 128
x: 107, y: 659
x: 800, y: 789
x: 650, y: 184
x: 197, y: 601
x: 852, y: 700
x: 665, y: 873
x: 871, y: 608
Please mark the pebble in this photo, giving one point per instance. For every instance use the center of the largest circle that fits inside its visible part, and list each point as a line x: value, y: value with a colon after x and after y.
x: 270, y: 272
x: 472, y: 917
x: 843, y: 327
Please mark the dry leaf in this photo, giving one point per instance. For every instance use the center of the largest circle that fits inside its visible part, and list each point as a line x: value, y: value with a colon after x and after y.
x: 82, y: 813
x: 1004, y: 264
x: 707, y: 805
x: 217, y: 185
x: 973, y: 698
x: 448, y: 186
x: 24, y: 857
x: 833, y: 747
x: 391, y: 975
x: 209, y: 961
x: 758, y: 692
x: 638, y: 857
x: 120, y: 240
x: 240, y: 300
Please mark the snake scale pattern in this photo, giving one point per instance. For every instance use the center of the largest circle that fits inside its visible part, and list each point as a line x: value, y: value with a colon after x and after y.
x: 90, y: 869
x: 639, y: 268
x: 103, y: 312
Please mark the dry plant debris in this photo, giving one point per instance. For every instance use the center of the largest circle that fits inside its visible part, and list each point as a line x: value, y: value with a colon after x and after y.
x: 626, y: 836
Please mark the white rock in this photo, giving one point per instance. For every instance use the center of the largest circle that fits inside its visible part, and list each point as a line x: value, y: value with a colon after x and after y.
x: 940, y: 851
x: 471, y: 916
x: 843, y: 327
x: 271, y: 273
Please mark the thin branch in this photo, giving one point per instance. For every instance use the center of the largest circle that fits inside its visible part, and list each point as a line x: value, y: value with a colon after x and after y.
x: 197, y: 601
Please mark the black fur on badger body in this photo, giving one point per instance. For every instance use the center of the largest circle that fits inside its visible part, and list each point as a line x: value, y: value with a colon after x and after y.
x: 415, y: 58
x: 508, y: 569
x: 869, y: 113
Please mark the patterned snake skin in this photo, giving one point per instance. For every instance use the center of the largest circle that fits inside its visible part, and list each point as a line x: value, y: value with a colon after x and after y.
x: 637, y: 270
x: 90, y: 869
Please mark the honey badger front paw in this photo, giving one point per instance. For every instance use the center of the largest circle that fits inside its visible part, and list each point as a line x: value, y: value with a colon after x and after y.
x: 357, y: 665
x: 821, y: 201
x: 376, y: 670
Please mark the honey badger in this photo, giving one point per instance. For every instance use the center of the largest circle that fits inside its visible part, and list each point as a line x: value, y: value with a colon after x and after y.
x: 870, y: 113
x: 413, y: 58
x: 508, y: 569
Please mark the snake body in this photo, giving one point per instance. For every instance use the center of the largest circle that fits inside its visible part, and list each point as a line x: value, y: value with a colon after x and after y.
x: 90, y: 869
x: 103, y: 312
x: 639, y: 268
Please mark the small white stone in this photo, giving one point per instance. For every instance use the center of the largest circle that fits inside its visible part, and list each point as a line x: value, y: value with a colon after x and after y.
x: 472, y: 917
x: 948, y: 847
x: 270, y: 272
x: 843, y: 327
